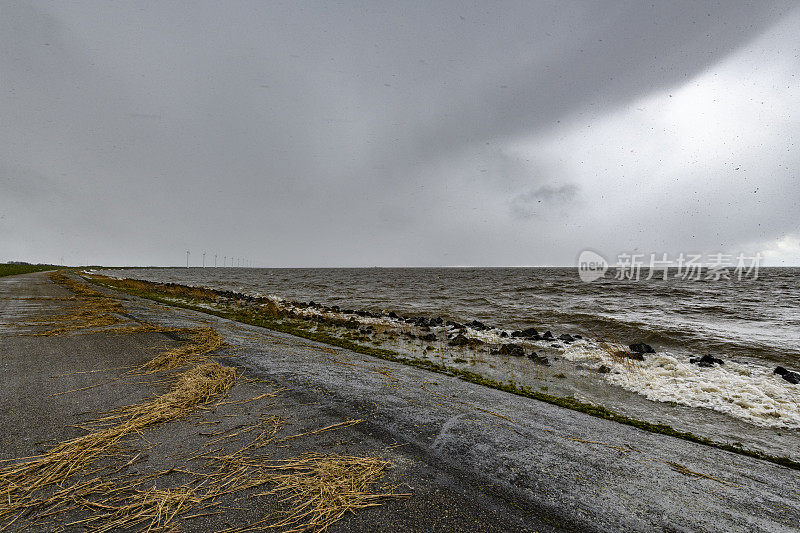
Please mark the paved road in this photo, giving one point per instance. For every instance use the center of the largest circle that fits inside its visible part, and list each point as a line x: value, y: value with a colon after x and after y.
x: 475, y: 458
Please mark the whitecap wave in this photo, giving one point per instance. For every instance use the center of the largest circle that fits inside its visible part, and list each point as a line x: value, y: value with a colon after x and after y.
x: 747, y: 391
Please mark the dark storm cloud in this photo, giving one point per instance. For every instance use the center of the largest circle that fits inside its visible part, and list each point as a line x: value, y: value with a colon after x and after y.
x: 322, y: 134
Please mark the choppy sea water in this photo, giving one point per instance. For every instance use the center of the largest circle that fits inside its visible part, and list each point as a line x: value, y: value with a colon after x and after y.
x: 752, y: 324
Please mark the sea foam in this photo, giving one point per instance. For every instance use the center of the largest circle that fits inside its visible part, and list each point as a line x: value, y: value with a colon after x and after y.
x: 744, y: 390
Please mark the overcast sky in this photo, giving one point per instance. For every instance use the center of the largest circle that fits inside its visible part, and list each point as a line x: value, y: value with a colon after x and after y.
x: 378, y: 133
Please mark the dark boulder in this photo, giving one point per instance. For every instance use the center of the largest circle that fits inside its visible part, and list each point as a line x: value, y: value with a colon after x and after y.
x: 436, y: 321
x: 459, y: 340
x: 476, y: 324
x: 641, y: 347
x: 788, y: 375
x: 514, y: 350
x: 451, y: 324
x: 706, y: 361
x: 538, y: 359
x: 530, y: 333
x: 792, y: 377
x: 429, y: 337
x: 548, y: 336
x: 604, y: 369
x: 503, y: 334
x: 392, y: 314
x: 566, y: 337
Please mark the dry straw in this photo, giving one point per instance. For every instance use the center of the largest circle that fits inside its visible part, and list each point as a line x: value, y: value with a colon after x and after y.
x: 92, y: 309
x: 21, y: 483
x: 313, y: 490
x: 320, y: 489
x: 155, y: 508
x: 78, y: 288
x: 90, y: 313
x: 201, y: 341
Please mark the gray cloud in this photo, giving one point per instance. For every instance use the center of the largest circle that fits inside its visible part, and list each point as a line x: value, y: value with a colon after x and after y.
x: 528, y: 204
x: 356, y: 134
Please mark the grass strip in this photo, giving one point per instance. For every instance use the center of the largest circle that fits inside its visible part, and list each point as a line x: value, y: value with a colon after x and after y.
x: 8, y: 269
